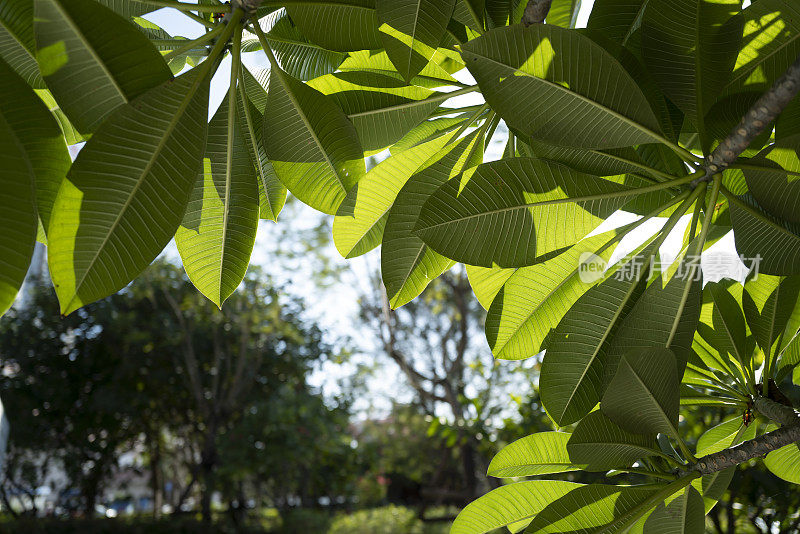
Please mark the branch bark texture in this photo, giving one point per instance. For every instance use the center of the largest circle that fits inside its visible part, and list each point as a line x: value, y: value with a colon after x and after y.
x: 761, y: 114
x: 535, y: 12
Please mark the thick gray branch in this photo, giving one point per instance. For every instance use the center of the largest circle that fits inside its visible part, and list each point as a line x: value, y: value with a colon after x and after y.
x: 754, y: 448
x: 535, y: 12
x: 788, y: 433
x: 780, y: 413
x: 764, y: 111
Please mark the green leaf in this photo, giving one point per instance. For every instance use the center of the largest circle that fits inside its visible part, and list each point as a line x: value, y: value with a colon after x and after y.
x: 777, y: 186
x: 126, y: 193
x: 340, y: 25
x: 665, y: 316
x: 17, y: 43
x: 509, y: 504
x: 616, y: 19
x: 411, y: 31
x: 591, y: 508
x: 759, y: 235
x: 559, y: 86
x: 572, y: 374
x: 129, y: 8
x: 602, y: 445
x: 17, y: 211
x: 514, y: 211
x: 296, y: 55
x: 643, y: 396
x: 685, y: 514
x: 433, y: 75
x: 538, y: 454
x: 38, y: 135
x: 382, y: 108
x: 785, y: 463
x: 789, y: 359
x: 772, y: 309
x: 271, y: 192
x: 598, y: 162
x: 218, y: 230
x: 690, y: 47
x: 562, y: 12
x: 719, y: 437
x: 771, y: 43
x: 535, y: 298
x: 360, y: 220
x: 713, y: 486
x: 313, y: 148
x: 486, y: 282
x: 255, y: 87
x: 93, y: 60
x: 407, y: 264
x: 71, y: 135
x: 428, y: 130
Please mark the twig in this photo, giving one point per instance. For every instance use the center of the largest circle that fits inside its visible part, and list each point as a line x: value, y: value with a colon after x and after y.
x: 761, y: 114
x: 535, y: 12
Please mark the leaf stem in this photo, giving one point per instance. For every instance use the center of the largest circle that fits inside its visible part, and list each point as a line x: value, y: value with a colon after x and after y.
x: 472, y: 119
x: 219, y: 46
x: 490, y: 133
x: 451, y: 111
x: 200, y: 20
x: 265, y: 45
x: 685, y: 450
x: 194, y: 43
x: 183, y: 6
x: 647, y: 472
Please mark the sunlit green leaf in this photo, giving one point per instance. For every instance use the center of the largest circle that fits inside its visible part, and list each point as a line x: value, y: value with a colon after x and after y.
x: 360, y: 220
x: 556, y: 85
x: 505, y: 214
x: 408, y: 265
x: 218, y: 230
x: 509, y: 504
x: 313, y: 148
x: 126, y: 193
x: 341, y: 25
x: 537, y: 454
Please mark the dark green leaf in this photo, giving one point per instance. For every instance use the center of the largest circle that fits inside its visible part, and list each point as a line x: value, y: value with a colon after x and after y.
x: 643, y: 397
x: 93, y: 60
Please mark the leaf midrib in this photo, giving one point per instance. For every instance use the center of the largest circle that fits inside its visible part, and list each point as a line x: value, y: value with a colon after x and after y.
x: 77, y: 31
x: 630, y: 122
x: 156, y: 153
x: 307, y: 124
x: 599, y: 345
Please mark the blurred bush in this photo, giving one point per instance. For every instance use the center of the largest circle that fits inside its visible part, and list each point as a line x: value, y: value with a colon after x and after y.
x: 116, y: 526
x: 384, y: 520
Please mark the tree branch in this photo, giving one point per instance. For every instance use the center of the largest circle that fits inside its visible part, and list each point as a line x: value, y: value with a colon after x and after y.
x: 535, y: 12
x: 760, y: 115
x: 787, y: 434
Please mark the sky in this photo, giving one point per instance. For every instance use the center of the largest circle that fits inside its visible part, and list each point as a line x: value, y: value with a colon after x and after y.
x: 335, y: 308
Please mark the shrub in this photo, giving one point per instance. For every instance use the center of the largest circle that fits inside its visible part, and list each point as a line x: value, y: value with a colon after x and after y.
x: 385, y: 520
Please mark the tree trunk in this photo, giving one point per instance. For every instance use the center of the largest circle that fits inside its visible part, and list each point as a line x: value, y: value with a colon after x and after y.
x: 156, y: 482
x: 207, y: 492
x: 468, y: 464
